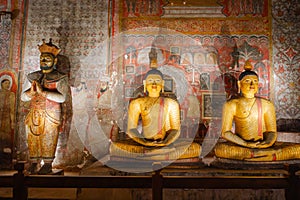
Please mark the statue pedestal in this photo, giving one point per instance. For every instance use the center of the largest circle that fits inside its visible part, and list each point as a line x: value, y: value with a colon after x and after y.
x: 134, y: 165
x: 57, y: 172
x: 247, y: 165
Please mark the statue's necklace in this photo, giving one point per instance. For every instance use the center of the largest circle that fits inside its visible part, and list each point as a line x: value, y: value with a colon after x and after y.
x: 248, y: 105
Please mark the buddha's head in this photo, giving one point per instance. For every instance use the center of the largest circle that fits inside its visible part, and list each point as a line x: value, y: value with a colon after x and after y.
x: 5, y: 84
x: 248, y: 81
x: 48, y: 57
x: 153, y: 83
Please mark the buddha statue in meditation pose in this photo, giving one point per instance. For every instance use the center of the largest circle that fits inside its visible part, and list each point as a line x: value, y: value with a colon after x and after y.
x: 159, y: 137
x: 255, y: 134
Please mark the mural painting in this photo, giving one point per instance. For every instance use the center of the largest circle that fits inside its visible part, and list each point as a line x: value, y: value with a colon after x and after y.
x: 8, y: 90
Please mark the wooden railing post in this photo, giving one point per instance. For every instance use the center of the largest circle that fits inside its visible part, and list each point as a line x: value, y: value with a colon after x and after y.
x: 157, y: 182
x: 293, y: 191
x: 20, y: 191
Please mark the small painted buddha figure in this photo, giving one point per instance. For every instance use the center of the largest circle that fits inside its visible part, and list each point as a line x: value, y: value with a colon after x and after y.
x: 160, y: 124
x: 255, y: 134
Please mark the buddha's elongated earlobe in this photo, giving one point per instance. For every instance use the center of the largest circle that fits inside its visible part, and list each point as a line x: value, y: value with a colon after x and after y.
x: 163, y: 86
x: 239, y: 87
x: 145, y: 88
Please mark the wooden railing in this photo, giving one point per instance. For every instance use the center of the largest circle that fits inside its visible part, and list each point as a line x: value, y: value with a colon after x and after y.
x: 157, y: 182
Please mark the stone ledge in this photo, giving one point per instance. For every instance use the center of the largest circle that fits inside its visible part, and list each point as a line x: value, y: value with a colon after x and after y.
x: 292, y: 137
x: 189, y: 12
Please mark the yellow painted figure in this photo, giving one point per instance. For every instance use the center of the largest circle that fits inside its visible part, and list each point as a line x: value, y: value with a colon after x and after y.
x: 160, y: 119
x: 7, y: 114
x: 255, y: 131
x: 46, y: 89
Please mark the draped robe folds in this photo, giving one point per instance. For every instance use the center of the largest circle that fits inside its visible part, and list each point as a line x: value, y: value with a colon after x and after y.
x: 252, y: 125
x: 158, y: 117
x: 245, y: 126
x: 44, y: 118
x: 7, y: 112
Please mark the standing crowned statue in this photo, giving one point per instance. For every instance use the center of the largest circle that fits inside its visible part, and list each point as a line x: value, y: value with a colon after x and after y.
x: 46, y: 90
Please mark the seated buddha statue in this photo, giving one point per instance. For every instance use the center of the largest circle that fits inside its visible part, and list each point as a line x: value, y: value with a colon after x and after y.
x: 254, y: 136
x: 159, y: 135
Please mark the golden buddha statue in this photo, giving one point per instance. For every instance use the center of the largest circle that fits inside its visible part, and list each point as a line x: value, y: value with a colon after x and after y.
x: 160, y: 119
x: 255, y: 133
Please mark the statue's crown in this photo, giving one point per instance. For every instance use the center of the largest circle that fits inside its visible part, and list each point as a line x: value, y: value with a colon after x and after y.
x: 49, y: 48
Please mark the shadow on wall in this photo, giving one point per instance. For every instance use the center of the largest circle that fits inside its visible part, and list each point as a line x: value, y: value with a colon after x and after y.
x: 288, y: 125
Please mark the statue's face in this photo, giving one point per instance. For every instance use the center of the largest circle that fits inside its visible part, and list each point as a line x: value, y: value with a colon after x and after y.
x: 249, y: 85
x: 47, y: 61
x: 154, y: 84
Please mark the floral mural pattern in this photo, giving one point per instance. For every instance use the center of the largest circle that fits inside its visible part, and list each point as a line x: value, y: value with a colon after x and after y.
x: 286, y: 58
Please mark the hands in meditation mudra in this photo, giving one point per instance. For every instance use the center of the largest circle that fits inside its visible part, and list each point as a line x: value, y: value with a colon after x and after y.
x: 255, y: 134
x: 160, y: 118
